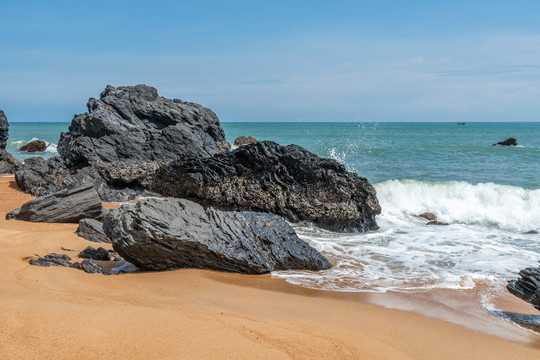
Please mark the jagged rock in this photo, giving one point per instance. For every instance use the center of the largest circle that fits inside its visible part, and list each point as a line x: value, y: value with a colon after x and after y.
x: 243, y: 140
x: 177, y: 233
x: 435, y: 222
x: 4, y: 130
x: 135, y: 123
x: 8, y: 163
x: 284, y: 180
x: 527, y: 287
x: 96, y: 254
x: 39, y: 263
x: 66, y: 206
x: 508, y: 142
x: 55, y: 260
x: 428, y: 216
x: 92, y: 230
x: 34, y: 146
x: 90, y: 266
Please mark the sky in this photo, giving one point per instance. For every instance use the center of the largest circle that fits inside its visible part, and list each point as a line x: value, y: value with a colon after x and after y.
x: 277, y: 60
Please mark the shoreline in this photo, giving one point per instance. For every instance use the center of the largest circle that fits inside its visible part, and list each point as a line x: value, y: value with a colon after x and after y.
x: 65, y: 313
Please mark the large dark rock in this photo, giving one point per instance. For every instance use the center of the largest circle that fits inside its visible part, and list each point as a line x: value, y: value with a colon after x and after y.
x: 527, y: 287
x: 177, y: 233
x: 95, y: 254
x: 4, y: 130
x: 34, y: 146
x: 66, y: 206
x: 92, y: 230
x: 508, y: 142
x: 135, y: 123
x: 8, y: 163
x: 284, y: 180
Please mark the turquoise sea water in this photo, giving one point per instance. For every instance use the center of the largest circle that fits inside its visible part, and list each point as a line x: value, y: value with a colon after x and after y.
x: 490, y: 195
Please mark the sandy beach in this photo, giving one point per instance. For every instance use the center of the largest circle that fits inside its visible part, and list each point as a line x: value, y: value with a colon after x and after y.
x: 64, y: 313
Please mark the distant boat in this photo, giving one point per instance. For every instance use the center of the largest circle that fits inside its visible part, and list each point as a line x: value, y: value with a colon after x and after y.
x: 461, y: 124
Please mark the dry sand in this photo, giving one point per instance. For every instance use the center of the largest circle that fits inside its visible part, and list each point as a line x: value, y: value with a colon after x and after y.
x: 64, y: 313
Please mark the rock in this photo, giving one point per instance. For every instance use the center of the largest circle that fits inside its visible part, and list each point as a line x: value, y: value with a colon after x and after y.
x: 66, y: 206
x: 135, y: 123
x: 34, y: 146
x: 527, y: 287
x: 428, y: 216
x: 531, y: 232
x: 508, y: 142
x: 435, y: 222
x: 55, y: 259
x: 242, y: 140
x: 177, y: 233
x: 4, y: 130
x: 90, y: 266
x: 96, y: 254
x: 284, y: 180
x: 8, y: 163
x: 39, y: 263
x: 92, y: 230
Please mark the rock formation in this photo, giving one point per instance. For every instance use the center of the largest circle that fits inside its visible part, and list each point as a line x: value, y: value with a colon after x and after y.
x: 508, y: 142
x: 8, y: 163
x: 243, y: 140
x: 121, y: 141
x: 66, y: 206
x: 92, y: 230
x: 284, y: 180
x: 4, y: 130
x: 95, y: 254
x: 34, y: 146
x: 527, y: 287
x: 177, y: 233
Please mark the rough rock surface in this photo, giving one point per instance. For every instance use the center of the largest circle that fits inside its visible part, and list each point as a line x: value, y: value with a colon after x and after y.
x: 4, y: 130
x: 527, y: 287
x: 177, y: 233
x: 284, y: 180
x: 96, y: 254
x: 92, y: 230
x: 67, y: 206
x: 8, y: 163
x: 135, y: 123
x: 508, y: 142
x: 243, y: 140
x: 428, y: 216
x: 34, y: 146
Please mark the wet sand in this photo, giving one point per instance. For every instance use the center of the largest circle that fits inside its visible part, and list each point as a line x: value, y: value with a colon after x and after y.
x: 64, y: 313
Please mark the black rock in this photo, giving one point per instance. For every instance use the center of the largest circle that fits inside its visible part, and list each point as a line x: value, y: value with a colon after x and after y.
x: 67, y: 206
x: 8, y: 163
x: 90, y: 266
x: 92, y: 230
x: 135, y: 123
x: 34, y: 146
x: 284, y: 180
x: 508, y: 142
x: 56, y: 259
x: 39, y: 263
x: 177, y: 233
x: 527, y: 287
x: 96, y: 254
x: 4, y: 130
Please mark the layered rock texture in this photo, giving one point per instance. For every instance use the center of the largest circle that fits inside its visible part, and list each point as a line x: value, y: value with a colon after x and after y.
x: 284, y: 180
x: 4, y: 130
x: 8, y: 162
x: 527, y: 287
x: 67, y: 206
x: 92, y: 230
x: 177, y: 233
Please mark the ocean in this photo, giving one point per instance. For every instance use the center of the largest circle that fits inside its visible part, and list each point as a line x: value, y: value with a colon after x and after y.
x: 490, y: 196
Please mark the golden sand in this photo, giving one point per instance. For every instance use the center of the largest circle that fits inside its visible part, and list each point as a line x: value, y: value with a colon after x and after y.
x: 63, y: 313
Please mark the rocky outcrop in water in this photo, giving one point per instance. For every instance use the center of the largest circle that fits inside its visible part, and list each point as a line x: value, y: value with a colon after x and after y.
x: 121, y: 141
x: 508, y: 142
x: 8, y: 163
x: 4, y: 130
x: 34, y: 146
x: 284, y: 180
x: 243, y: 140
x: 67, y: 206
x: 527, y: 287
x: 92, y: 230
x: 177, y: 233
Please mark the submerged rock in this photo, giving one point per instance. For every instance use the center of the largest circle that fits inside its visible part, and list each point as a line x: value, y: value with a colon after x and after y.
x: 67, y: 206
x: 92, y: 230
x: 4, y: 130
x: 527, y: 287
x: 8, y: 163
x: 508, y: 142
x: 177, y: 233
x: 284, y: 180
x: 439, y: 223
x: 428, y: 216
x: 243, y: 140
x: 34, y: 146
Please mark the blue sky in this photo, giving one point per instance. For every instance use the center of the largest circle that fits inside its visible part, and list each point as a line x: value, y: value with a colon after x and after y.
x: 278, y: 60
